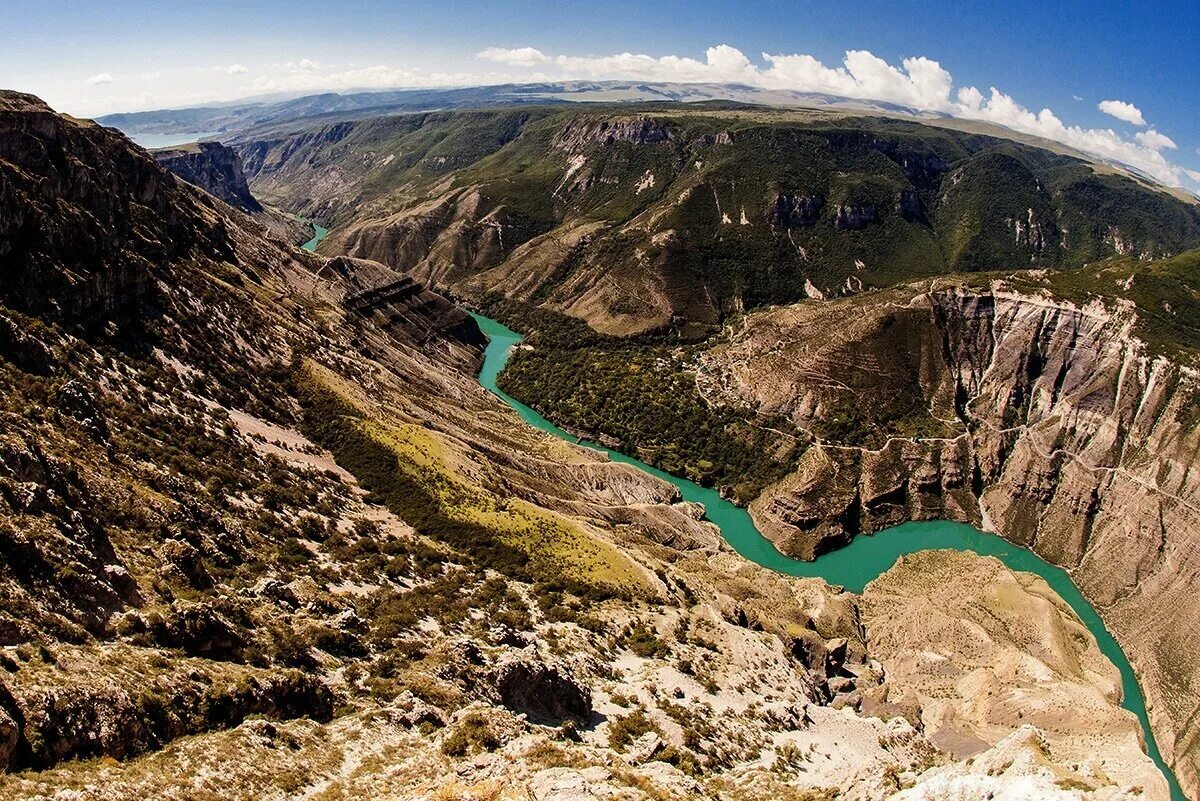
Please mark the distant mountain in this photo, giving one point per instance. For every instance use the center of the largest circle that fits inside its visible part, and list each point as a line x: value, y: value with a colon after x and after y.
x: 687, y: 213
x: 230, y: 118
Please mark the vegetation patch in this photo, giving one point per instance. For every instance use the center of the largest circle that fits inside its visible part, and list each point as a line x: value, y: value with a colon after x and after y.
x: 639, y: 396
x: 400, y: 468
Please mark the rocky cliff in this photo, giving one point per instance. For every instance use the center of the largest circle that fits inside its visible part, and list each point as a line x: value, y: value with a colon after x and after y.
x: 217, y: 169
x: 680, y: 216
x: 214, y: 168
x: 73, y: 250
x: 1046, y: 420
x: 263, y: 534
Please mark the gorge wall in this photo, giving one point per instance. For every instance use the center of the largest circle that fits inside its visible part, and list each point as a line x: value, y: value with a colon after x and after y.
x: 1046, y: 421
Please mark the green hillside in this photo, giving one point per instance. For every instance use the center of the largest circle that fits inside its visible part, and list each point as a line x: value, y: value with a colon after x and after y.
x: 683, y: 215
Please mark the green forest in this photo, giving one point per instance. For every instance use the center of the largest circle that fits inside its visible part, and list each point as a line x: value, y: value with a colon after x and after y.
x: 639, y: 396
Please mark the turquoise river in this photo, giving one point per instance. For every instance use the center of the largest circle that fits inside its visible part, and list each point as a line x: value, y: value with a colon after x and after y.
x: 855, y: 565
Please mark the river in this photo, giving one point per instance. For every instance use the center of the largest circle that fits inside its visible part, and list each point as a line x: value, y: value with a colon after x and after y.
x: 319, y: 233
x: 857, y: 564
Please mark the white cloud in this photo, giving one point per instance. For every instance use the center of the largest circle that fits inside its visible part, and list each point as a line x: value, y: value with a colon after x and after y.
x: 1154, y: 140
x: 518, y: 56
x: 1193, y: 174
x: 1122, y: 111
x: 1077, y: 97
x: 304, y: 65
x: 918, y: 82
x: 295, y: 76
x: 100, y: 78
x: 1103, y: 142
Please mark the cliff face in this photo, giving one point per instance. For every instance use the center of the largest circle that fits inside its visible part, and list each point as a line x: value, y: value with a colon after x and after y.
x: 217, y: 169
x: 956, y: 629
x: 1058, y: 429
x: 685, y: 216
x: 71, y: 248
x: 214, y: 168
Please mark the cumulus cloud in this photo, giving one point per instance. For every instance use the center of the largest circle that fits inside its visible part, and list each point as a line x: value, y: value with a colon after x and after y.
x: 303, y: 65
x: 100, y: 78
x: 1122, y: 111
x: 232, y: 69
x: 1143, y: 154
x: 1155, y: 141
x: 917, y: 82
x: 518, y: 56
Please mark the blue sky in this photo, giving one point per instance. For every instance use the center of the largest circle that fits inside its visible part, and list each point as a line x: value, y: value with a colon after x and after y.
x: 90, y: 58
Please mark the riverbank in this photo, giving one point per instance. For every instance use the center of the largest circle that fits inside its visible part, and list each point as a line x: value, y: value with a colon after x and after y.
x: 866, y: 557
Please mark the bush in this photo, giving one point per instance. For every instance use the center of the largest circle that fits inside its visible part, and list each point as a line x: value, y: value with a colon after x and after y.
x: 624, y: 731
x: 470, y: 736
x: 643, y: 642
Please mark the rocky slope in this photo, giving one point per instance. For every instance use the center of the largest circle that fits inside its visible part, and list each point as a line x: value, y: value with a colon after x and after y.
x: 987, y: 651
x: 257, y: 497
x: 217, y: 170
x: 1010, y: 406
x: 683, y: 216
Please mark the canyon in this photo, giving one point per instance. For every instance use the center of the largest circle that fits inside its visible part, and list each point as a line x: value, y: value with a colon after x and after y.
x: 1016, y: 403
x: 266, y: 536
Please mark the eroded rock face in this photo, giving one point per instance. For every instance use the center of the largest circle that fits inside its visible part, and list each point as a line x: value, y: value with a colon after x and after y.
x: 636, y: 130
x: 123, y: 702
x: 541, y: 690
x: 213, y: 167
x: 72, y: 248
x: 795, y: 210
x: 987, y: 651
x: 1023, y: 768
x: 853, y: 216
x: 1064, y: 434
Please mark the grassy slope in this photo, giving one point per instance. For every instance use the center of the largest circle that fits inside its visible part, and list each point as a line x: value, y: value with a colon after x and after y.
x: 969, y: 197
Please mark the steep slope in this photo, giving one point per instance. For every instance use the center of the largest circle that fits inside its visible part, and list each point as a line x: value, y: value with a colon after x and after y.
x: 214, y: 168
x: 632, y: 221
x: 256, y: 496
x: 217, y: 170
x: 951, y: 626
x: 1051, y: 421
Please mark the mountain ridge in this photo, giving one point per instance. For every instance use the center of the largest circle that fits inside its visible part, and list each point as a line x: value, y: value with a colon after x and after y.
x: 588, y: 213
x: 260, y: 526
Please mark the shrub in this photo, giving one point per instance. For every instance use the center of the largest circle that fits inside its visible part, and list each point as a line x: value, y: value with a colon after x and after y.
x: 624, y: 731
x: 470, y: 736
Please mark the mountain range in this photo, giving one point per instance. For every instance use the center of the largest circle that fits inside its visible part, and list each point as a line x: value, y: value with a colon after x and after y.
x: 264, y: 535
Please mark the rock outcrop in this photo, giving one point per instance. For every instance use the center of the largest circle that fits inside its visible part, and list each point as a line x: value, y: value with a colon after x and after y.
x: 578, y: 135
x: 794, y: 210
x: 70, y: 248
x: 1046, y: 421
x: 217, y: 169
x: 987, y: 651
x: 213, y: 167
x: 543, y: 691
